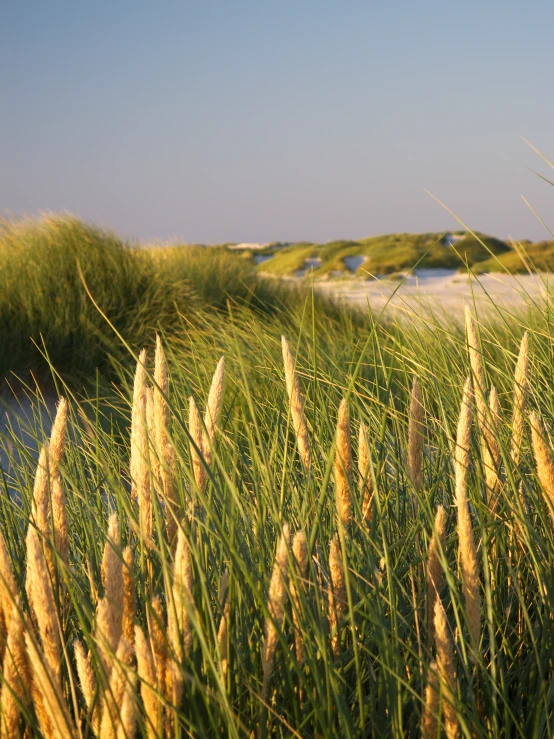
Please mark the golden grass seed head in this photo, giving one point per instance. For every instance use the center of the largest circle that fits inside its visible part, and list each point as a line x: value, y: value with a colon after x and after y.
x: 363, y: 457
x: 110, y: 608
x: 129, y: 596
x: 467, y: 548
x: 112, y: 719
x: 85, y: 673
x: 58, y: 434
x: 182, y: 592
x: 8, y: 588
x: 337, y: 594
x: 56, y: 450
x: 148, y: 685
x: 160, y: 367
x: 16, y: 677
x: 213, y: 406
x: 446, y: 670
x: 429, y: 722
x: 222, y: 639
x: 139, y: 434
x: 365, y: 481
x: 475, y: 358
x: 543, y: 458
x: 158, y: 641
x: 276, y: 601
x: 521, y: 389
x: 55, y: 721
x: 300, y: 552
x: 492, y: 457
x: 278, y: 583
x: 343, y: 465
x: 434, y: 569
x: 415, y: 437
x: 39, y: 586
x: 296, y: 402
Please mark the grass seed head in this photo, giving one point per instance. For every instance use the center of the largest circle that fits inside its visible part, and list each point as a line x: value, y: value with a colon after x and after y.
x: 467, y: 548
x: 343, y: 465
x: 213, y: 409
x: 521, y: 389
x: 446, y: 671
x: 158, y: 641
x: 148, y: 685
x: 139, y: 463
x: 112, y: 718
x: 110, y: 609
x: 365, y: 482
x: 296, y: 401
x: 54, y: 717
x: 477, y: 371
x: 429, y: 722
x: 493, y: 454
x: 276, y: 601
x: 300, y: 553
x: 543, y: 459
x: 434, y: 569
x: 415, y: 437
x: 337, y: 593
x: 8, y: 588
x: 182, y: 590
x: 129, y: 596
x: 16, y: 677
x: 55, y: 453
x: 85, y: 673
x: 58, y: 435
x: 222, y: 638
x: 39, y: 586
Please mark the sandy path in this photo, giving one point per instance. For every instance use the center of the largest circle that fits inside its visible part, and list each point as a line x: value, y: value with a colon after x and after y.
x: 440, y: 290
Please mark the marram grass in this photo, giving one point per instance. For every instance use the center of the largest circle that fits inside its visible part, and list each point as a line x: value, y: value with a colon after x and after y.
x: 219, y: 569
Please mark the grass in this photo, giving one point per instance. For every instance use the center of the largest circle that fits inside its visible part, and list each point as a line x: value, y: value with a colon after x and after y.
x: 218, y: 610
x: 367, y: 677
x: 47, y: 265
x: 47, y: 318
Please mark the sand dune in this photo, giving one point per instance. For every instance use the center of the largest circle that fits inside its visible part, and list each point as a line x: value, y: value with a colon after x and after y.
x: 441, y: 290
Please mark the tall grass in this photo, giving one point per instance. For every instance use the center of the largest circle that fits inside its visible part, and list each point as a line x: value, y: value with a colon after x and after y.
x: 270, y: 611
x: 48, y: 264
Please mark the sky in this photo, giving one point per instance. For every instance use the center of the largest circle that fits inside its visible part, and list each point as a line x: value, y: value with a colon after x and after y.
x: 278, y: 121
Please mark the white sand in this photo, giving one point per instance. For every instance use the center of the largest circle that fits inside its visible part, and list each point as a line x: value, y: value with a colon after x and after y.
x: 441, y: 290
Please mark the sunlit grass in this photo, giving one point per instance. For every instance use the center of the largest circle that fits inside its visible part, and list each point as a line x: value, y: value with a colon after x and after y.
x: 374, y: 683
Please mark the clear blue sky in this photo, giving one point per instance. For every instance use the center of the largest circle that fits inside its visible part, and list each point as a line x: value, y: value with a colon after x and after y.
x: 256, y: 121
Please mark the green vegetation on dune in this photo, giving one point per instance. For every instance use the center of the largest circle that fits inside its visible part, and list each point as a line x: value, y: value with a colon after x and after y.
x: 45, y: 264
x: 45, y: 309
x: 385, y: 254
x: 43, y: 300
x: 288, y: 260
x: 522, y: 258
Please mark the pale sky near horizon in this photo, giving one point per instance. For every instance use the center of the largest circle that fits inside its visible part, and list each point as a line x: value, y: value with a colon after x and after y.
x: 256, y: 121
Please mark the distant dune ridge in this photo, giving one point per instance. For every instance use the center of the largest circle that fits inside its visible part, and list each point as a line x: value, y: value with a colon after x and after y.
x: 392, y: 253
x: 388, y: 254
x: 68, y: 287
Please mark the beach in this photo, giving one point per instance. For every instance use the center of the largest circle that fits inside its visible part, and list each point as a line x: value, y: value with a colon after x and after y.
x: 441, y: 291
